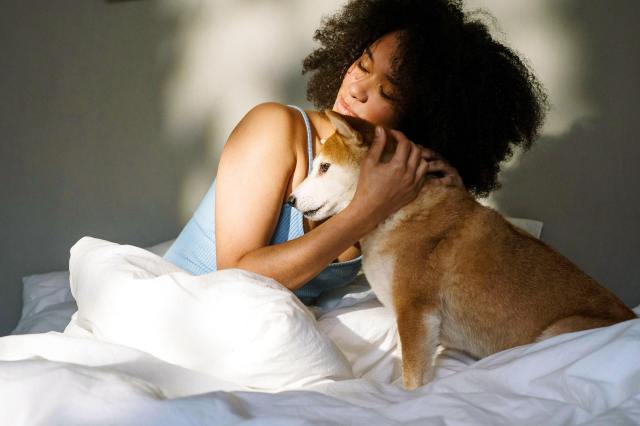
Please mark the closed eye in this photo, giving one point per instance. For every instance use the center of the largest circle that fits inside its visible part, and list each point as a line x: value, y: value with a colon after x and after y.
x: 324, y: 167
x: 382, y: 93
x: 387, y: 97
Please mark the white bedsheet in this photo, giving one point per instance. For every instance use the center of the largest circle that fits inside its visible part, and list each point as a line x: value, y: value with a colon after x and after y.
x: 590, y: 377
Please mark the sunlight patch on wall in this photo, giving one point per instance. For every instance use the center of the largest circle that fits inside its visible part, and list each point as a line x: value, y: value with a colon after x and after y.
x: 227, y: 57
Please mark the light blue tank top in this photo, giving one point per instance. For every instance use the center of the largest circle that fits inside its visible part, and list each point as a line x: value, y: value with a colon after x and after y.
x: 195, y: 248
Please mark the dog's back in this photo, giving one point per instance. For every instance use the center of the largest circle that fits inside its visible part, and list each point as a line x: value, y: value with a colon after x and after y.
x: 491, y: 285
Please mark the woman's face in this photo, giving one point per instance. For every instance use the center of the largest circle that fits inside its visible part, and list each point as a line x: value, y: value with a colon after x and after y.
x: 367, y: 90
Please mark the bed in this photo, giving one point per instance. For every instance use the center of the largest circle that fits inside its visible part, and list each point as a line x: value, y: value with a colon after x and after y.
x: 126, y: 338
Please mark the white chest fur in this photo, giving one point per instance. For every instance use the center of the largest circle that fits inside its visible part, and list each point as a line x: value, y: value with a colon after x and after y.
x: 377, y: 263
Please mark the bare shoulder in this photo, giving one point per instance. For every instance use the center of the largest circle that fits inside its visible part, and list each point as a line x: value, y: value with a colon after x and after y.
x: 269, y: 120
x: 271, y: 108
x: 268, y: 132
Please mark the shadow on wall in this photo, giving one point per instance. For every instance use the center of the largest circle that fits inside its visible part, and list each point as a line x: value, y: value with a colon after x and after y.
x: 584, y: 183
x: 82, y: 150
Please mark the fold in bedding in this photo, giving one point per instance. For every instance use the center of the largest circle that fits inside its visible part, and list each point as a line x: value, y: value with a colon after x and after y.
x: 588, y: 377
x: 151, y: 344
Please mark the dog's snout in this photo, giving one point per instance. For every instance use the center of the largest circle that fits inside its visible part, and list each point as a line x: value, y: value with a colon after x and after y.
x: 291, y: 200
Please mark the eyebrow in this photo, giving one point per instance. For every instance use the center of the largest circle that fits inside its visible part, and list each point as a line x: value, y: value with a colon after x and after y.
x: 387, y: 76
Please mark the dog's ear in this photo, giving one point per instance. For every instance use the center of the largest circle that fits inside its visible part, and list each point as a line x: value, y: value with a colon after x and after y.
x: 352, y: 129
x: 343, y: 128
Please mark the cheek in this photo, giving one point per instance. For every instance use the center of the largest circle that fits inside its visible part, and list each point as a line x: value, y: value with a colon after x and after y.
x: 350, y: 76
x: 383, y: 115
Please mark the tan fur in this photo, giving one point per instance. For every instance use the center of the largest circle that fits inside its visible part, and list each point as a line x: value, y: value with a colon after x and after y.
x: 334, y: 148
x: 457, y: 273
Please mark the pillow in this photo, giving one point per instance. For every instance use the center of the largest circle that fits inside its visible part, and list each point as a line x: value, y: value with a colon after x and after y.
x: 367, y: 336
x: 235, y: 325
x: 161, y: 248
x: 533, y: 227
x: 41, y: 291
x: 53, y: 317
x: 47, y: 303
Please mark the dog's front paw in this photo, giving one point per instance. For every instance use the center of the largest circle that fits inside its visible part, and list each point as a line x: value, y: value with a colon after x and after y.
x: 414, y: 381
x: 410, y: 383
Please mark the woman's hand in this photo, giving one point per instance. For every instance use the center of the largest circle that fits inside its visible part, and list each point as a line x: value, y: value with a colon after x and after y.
x: 435, y: 164
x: 384, y: 188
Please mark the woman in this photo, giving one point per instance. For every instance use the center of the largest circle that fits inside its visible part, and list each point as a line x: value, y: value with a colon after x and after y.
x: 433, y: 78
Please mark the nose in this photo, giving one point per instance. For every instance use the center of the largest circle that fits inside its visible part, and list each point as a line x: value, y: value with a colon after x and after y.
x: 358, y: 90
x: 291, y: 200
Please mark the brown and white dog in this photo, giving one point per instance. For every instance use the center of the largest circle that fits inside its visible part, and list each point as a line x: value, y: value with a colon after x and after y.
x: 454, y: 272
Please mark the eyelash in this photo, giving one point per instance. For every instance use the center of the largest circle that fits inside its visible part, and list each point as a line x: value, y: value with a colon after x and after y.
x: 363, y: 69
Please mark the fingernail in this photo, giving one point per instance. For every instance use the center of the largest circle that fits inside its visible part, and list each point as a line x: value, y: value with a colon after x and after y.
x: 378, y: 131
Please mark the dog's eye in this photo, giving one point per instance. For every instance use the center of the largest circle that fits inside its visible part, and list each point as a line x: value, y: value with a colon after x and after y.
x: 324, y: 167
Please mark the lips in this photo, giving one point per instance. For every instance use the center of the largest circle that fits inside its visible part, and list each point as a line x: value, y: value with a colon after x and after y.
x: 344, y: 108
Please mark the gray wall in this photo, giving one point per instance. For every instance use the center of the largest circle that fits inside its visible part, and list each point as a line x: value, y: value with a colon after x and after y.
x: 87, y: 145
x: 584, y: 184
x: 81, y: 147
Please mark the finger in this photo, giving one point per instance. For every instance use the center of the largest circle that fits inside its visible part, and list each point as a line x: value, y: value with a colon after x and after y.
x: 379, y: 142
x: 448, y: 180
x: 449, y: 175
x: 399, y: 136
x: 415, y: 158
x: 421, y: 171
x: 451, y: 180
x: 403, y: 148
x: 429, y: 154
x: 456, y: 180
x: 443, y: 167
x: 438, y: 166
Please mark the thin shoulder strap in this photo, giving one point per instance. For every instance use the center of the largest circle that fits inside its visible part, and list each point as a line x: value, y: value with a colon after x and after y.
x: 309, y: 137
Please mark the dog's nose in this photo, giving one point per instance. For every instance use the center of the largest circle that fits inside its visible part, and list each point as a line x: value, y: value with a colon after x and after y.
x: 291, y: 200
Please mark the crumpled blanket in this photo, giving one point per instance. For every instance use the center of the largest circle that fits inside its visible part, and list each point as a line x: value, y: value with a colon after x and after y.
x: 151, y: 344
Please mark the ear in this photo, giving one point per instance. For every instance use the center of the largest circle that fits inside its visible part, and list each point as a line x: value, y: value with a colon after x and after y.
x: 342, y: 127
x: 352, y: 129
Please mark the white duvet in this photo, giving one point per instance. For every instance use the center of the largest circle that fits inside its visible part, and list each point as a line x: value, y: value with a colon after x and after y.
x: 151, y: 344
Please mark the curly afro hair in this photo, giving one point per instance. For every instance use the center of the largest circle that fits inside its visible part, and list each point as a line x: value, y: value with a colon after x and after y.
x: 460, y: 92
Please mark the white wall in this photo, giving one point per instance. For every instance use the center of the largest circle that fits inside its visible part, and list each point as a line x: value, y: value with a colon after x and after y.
x: 113, y: 116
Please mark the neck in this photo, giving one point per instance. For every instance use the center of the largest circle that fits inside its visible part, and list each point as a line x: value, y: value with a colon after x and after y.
x: 437, y: 209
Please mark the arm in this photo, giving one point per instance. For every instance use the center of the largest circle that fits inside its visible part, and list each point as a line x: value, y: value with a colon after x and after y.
x: 294, y: 262
x: 254, y: 179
